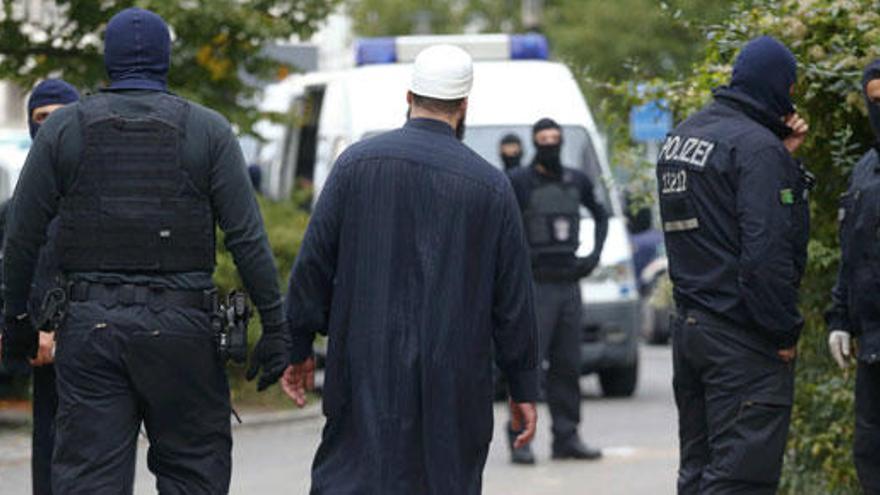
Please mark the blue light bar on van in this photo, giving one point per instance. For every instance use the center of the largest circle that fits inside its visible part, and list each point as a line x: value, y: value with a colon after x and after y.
x: 376, y: 51
x: 403, y: 49
x: 530, y: 46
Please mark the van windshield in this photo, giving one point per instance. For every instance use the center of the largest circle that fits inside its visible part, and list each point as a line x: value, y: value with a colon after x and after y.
x: 577, y: 150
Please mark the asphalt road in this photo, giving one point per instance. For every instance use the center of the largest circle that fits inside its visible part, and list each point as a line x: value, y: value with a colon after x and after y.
x: 637, y: 435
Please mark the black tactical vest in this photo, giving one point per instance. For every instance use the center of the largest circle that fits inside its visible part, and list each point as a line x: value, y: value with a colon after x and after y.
x: 132, y: 206
x: 552, y: 218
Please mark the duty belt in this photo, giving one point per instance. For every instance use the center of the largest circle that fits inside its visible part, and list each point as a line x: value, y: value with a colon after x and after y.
x: 154, y: 297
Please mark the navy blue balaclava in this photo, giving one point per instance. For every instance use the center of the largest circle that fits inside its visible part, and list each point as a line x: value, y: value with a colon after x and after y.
x: 137, y: 50
x: 765, y: 70
x: 548, y: 155
x: 49, y: 92
x: 872, y: 71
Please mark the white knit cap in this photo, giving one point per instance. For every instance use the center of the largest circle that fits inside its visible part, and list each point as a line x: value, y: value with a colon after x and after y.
x: 444, y: 72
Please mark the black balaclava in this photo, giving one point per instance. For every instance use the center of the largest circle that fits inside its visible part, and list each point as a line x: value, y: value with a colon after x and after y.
x: 49, y: 92
x: 137, y: 50
x: 511, y: 162
x: 765, y: 70
x: 548, y: 155
x: 872, y: 71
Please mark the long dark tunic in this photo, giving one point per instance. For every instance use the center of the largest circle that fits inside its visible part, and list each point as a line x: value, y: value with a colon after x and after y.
x: 414, y: 264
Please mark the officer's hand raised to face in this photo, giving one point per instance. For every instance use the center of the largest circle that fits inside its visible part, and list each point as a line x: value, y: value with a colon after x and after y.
x: 271, y: 355
x: 799, y: 132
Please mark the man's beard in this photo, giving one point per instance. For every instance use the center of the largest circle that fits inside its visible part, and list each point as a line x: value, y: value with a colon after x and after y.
x: 460, y: 128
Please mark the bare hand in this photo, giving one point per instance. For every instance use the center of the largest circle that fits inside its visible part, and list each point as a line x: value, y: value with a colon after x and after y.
x: 524, y: 419
x: 798, y: 135
x: 299, y: 379
x: 46, y: 351
x: 787, y: 355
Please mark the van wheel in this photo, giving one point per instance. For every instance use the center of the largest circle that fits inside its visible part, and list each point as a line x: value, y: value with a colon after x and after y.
x: 619, y: 382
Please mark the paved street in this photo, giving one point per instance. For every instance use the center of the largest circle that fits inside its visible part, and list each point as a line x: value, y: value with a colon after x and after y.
x: 638, y: 436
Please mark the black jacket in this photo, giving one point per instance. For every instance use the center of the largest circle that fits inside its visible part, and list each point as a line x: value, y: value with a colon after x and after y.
x: 736, y: 217
x: 856, y: 307
x: 210, y: 149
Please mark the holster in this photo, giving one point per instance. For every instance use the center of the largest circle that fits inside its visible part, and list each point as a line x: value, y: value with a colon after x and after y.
x: 230, y: 323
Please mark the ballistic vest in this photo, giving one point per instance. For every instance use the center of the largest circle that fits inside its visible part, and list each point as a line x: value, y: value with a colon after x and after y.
x: 132, y: 206
x: 552, y: 218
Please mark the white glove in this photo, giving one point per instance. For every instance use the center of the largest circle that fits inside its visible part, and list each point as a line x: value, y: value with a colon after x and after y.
x: 840, y: 344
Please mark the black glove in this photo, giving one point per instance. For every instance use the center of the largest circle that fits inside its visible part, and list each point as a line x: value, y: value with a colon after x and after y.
x: 20, y: 339
x: 586, y: 266
x: 271, y: 354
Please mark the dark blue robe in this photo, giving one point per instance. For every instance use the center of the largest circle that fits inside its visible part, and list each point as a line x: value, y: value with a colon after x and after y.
x: 415, y: 265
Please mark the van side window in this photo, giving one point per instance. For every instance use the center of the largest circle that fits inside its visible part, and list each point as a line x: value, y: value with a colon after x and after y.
x: 301, y: 138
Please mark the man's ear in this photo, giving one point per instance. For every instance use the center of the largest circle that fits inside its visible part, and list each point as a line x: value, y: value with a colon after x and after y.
x: 463, y: 108
x: 409, y: 98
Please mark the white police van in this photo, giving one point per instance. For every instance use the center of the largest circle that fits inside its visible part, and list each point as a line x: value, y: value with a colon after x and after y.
x: 14, y: 146
x: 514, y: 85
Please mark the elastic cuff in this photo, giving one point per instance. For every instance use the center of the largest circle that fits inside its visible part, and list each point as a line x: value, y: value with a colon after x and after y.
x: 523, y: 385
x: 302, y: 347
x: 787, y: 342
x: 273, y: 317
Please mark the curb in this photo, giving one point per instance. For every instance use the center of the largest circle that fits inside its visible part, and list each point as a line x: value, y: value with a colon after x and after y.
x: 258, y: 419
x: 15, y: 419
x: 9, y: 419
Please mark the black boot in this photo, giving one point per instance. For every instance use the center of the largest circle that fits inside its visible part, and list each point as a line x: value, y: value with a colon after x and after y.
x: 573, y: 448
x: 522, y: 455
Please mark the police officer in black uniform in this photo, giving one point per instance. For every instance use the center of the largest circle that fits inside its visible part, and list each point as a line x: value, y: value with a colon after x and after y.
x: 138, y: 178
x: 550, y: 197
x: 856, y: 308
x: 735, y: 216
x: 510, y: 151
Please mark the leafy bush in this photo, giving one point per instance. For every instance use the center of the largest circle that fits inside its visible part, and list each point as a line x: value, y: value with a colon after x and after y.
x: 285, y: 223
x: 833, y: 40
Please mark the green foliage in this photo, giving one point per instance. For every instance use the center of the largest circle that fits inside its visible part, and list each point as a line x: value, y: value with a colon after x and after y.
x: 214, y: 41
x: 401, y: 17
x: 606, y: 37
x: 833, y: 40
x: 612, y: 39
x: 285, y: 223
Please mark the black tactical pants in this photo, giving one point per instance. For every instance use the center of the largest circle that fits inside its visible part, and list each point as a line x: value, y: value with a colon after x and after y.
x: 734, y: 397
x: 121, y: 366
x: 558, y: 310
x: 45, y: 405
x: 867, y: 436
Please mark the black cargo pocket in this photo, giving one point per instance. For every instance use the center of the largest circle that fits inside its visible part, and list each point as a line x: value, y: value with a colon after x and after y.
x: 756, y: 442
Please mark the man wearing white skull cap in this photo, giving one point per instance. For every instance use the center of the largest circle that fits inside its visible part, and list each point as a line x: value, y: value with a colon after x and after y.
x: 416, y: 268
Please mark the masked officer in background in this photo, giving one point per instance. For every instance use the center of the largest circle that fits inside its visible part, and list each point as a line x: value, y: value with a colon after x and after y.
x: 550, y: 197
x: 48, y: 96
x: 735, y: 216
x: 511, y: 152
x: 137, y: 178
x: 856, y: 308
x: 414, y: 264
